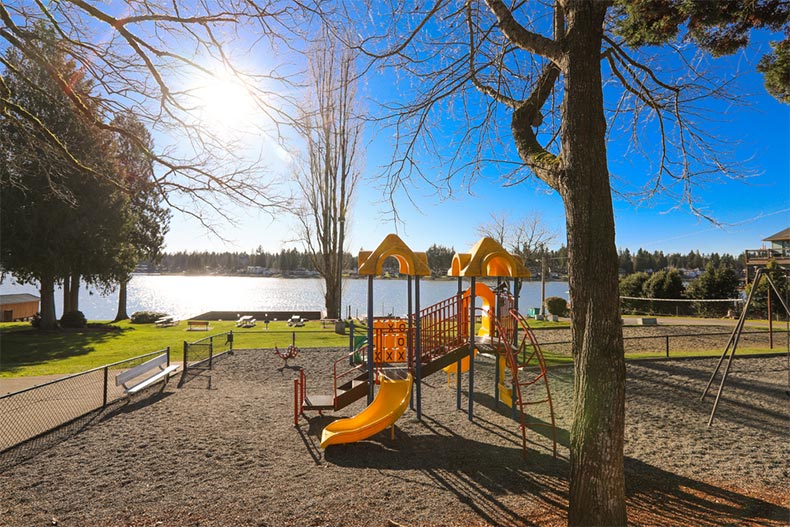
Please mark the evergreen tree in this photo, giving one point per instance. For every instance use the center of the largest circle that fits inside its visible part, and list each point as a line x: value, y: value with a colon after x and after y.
x: 717, y: 282
x: 440, y: 259
x: 57, y: 210
x: 146, y: 220
x: 781, y: 280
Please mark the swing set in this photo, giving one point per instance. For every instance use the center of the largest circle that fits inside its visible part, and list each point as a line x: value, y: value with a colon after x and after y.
x: 732, y: 343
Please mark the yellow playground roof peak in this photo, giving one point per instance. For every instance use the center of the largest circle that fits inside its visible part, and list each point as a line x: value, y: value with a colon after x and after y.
x: 488, y: 258
x: 411, y: 263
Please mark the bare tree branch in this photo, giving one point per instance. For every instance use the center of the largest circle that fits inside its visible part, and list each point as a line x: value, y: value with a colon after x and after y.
x: 148, y: 61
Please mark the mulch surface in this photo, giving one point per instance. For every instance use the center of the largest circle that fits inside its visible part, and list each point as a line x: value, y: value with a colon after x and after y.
x: 223, y: 451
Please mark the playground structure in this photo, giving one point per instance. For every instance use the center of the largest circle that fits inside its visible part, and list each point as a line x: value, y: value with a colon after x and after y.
x: 732, y: 343
x: 399, y: 353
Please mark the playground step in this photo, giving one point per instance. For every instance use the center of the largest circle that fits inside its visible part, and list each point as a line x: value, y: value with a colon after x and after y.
x: 318, y: 402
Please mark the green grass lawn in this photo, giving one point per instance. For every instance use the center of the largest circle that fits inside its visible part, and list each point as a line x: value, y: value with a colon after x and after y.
x: 25, y: 351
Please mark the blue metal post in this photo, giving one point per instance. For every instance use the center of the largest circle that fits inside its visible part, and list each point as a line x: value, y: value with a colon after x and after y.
x: 371, y: 372
x: 516, y: 289
x: 409, y: 337
x: 497, y: 316
x: 458, y: 364
x: 418, y: 346
x: 471, y: 347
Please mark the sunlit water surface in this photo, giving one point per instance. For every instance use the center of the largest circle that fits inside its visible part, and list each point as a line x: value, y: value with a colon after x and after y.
x: 188, y: 296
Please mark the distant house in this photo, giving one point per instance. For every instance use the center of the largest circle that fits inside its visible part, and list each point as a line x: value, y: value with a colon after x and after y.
x: 778, y: 251
x: 21, y: 306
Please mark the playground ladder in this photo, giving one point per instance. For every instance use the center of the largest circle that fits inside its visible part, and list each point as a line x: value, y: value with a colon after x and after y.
x: 521, y: 355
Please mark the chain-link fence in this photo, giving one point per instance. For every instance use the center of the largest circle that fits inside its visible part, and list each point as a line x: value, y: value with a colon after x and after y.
x: 682, y: 344
x: 200, y: 355
x: 29, y: 413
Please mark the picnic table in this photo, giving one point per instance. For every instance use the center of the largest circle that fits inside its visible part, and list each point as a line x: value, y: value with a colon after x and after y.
x: 245, y: 321
x: 166, y: 322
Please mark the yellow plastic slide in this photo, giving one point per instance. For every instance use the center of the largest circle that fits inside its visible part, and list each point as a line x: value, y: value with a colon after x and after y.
x: 386, y: 408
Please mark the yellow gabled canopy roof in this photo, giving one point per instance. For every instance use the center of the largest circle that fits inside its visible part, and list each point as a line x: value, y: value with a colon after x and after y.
x: 488, y: 258
x: 411, y: 263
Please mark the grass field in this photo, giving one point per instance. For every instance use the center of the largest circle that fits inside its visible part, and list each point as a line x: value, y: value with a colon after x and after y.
x: 25, y: 351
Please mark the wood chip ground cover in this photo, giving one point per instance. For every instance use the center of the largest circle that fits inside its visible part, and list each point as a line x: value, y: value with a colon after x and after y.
x: 230, y: 455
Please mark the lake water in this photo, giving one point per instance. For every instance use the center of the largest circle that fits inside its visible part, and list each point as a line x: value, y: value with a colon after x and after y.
x: 188, y: 296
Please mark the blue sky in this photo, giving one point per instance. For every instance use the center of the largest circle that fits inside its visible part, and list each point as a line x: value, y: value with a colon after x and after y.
x: 757, y: 133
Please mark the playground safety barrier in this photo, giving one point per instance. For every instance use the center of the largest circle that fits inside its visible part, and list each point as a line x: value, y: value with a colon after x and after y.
x: 28, y: 414
x: 677, y: 342
x: 201, y: 354
x: 443, y: 326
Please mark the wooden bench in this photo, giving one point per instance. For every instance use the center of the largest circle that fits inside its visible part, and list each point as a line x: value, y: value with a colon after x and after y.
x: 158, y: 363
x: 198, y: 325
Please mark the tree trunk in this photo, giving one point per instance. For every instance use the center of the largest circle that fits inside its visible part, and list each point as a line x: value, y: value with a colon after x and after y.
x: 597, y: 481
x: 66, y: 294
x: 331, y: 301
x: 75, y: 292
x: 122, y: 297
x: 47, y: 290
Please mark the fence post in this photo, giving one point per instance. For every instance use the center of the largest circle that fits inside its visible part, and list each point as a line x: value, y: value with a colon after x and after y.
x: 168, y: 356
x: 351, y: 343
x: 210, y: 351
x: 106, y: 386
x: 230, y: 341
x: 667, y: 344
x: 184, y: 365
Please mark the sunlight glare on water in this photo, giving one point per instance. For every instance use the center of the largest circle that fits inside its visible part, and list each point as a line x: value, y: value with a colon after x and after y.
x: 189, y: 296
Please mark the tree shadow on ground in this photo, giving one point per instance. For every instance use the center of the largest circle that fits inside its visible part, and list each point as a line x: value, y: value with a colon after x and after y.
x: 482, y: 476
x: 688, y: 383
x: 659, y: 497
x: 32, y: 346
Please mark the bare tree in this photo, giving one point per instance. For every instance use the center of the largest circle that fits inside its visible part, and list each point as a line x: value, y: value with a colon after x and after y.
x: 527, y: 237
x: 539, y: 67
x: 331, y: 126
x: 153, y: 59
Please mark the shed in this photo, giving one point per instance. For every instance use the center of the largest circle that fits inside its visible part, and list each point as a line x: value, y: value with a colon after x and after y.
x: 21, y: 306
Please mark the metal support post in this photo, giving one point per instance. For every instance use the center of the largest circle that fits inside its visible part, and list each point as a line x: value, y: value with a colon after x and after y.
x: 417, y: 346
x: 409, y: 335
x: 471, y: 347
x: 460, y: 325
x: 371, y: 373
x: 106, y: 383
x: 351, y: 342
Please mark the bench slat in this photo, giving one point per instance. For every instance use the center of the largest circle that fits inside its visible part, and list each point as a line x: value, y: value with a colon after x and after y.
x: 138, y: 370
x: 148, y: 382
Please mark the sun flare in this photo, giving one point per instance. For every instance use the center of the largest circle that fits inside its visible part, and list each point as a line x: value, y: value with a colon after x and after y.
x: 225, y: 102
